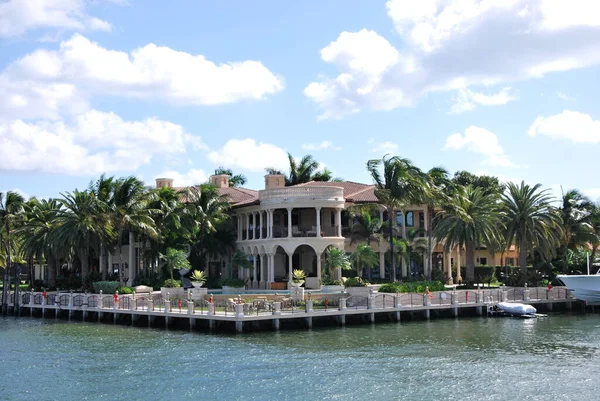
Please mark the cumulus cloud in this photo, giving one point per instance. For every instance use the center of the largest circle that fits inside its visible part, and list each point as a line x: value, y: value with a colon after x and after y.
x: 480, y: 141
x: 20, y: 16
x: 247, y: 154
x: 91, y: 143
x: 384, y: 147
x: 455, y: 45
x: 569, y: 125
x: 467, y: 100
x: 42, y: 83
x: 323, y: 145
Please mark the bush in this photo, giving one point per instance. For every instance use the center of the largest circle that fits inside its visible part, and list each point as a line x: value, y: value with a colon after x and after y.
x: 107, y: 287
x: 326, y: 280
x: 213, y: 283
x: 389, y: 288
x: 412, y: 286
x: 171, y: 283
x: 125, y: 290
x: 355, y: 282
x: 234, y: 282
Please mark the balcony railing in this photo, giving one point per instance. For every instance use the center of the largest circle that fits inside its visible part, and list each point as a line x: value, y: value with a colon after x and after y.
x: 301, y: 193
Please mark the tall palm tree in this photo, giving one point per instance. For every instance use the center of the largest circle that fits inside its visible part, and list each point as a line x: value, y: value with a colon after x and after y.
x: 364, y: 256
x: 104, y: 191
x: 38, y: 231
x: 413, y: 243
x: 306, y: 170
x: 439, y: 192
x: 11, y: 209
x: 532, y: 223
x: 398, y: 184
x: 470, y: 221
x: 130, y: 214
x: 595, y: 227
x: 205, y: 207
x: 235, y: 180
x: 575, y: 212
x: 335, y: 258
x: 81, y: 225
x: 365, y: 226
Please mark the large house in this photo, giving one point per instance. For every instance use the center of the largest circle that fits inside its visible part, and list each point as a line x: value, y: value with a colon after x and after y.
x: 284, y: 228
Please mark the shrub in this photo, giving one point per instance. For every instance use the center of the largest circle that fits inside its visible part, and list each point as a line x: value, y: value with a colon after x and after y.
x: 355, y: 282
x: 327, y: 280
x: 125, y: 290
x: 234, y: 282
x: 412, y: 286
x: 213, y: 283
x: 107, y: 287
x: 171, y: 283
x: 199, y: 276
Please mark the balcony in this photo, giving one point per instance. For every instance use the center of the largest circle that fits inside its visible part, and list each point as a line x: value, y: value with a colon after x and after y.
x: 291, y: 194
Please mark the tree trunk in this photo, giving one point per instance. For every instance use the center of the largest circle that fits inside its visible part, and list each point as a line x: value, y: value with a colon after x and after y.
x: 6, y: 284
x: 392, y: 256
x: 17, y: 289
x: 429, y: 241
x: 31, y: 272
x: 523, y: 257
x: 85, y: 264
x: 470, y: 254
x: 51, y: 272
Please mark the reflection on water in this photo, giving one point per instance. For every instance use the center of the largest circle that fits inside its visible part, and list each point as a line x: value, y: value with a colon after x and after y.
x: 502, y: 359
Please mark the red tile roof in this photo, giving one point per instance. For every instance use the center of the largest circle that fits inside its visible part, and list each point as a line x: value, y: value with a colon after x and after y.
x: 239, y: 196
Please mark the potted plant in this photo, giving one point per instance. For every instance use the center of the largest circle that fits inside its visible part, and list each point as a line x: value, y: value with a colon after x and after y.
x: 234, y: 285
x: 335, y: 261
x: 172, y: 287
x: 298, y: 277
x: 198, y: 278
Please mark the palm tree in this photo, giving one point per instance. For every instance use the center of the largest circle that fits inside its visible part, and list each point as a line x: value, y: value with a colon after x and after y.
x: 38, y: 231
x: 205, y: 207
x: 129, y: 213
x: 335, y: 258
x: 595, y: 225
x: 440, y: 188
x: 365, y: 226
x: 11, y: 209
x: 239, y: 260
x: 397, y: 186
x: 532, y: 223
x: 363, y: 256
x: 575, y: 214
x: 81, y: 225
x: 104, y: 191
x: 470, y: 221
x: 175, y: 259
x: 304, y: 171
x: 236, y: 180
x: 413, y: 243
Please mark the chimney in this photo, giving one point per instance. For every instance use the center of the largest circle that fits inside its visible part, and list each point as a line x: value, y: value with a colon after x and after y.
x: 274, y: 181
x: 220, y: 181
x: 164, y: 182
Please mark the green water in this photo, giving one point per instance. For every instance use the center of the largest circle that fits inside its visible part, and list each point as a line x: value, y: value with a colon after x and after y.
x: 555, y: 358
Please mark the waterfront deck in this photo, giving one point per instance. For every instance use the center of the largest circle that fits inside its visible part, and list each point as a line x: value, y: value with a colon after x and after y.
x: 263, y: 313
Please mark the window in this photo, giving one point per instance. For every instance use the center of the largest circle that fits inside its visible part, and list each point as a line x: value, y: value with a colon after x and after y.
x: 345, y: 218
x: 410, y: 219
x: 399, y: 218
x: 510, y: 261
x: 483, y: 261
x: 295, y: 219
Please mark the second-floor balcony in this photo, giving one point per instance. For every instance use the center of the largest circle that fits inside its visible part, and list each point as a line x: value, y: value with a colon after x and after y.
x: 291, y: 194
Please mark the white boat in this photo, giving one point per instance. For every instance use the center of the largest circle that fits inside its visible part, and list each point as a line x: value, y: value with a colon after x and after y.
x: 583, y: 287
x: 513, y: 308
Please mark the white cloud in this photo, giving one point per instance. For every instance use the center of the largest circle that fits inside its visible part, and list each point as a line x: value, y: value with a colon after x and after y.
x: 455, y: 45
x: 20, y: 16
x: 385, y: 147
x: 44, y: 82
x: 324, y: 145
x: 570, y: 125
x: 190, y: 177
x: 249, y: 155
x: 564, y: 96
x: 92, y: 143
x: 481, y: 141
x: 467, y: 100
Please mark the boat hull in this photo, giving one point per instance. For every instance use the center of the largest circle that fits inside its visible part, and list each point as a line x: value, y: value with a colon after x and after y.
x: 583, y: 287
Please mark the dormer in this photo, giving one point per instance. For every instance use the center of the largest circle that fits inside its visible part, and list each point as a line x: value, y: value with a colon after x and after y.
x: 220, y: 180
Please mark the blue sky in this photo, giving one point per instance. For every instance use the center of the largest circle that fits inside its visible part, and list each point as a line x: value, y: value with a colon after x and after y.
x: 177, y: 89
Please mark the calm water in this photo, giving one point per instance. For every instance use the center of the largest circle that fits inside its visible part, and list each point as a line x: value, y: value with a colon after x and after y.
x: 555, y: 358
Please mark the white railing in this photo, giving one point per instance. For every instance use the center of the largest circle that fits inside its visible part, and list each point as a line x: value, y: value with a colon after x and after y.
x: 292, y: 193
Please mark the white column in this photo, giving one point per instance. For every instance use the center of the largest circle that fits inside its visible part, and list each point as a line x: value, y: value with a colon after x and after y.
x: 318, y: 209
x: 381, y: 216
x: 381, y: 264
x: 247, y: 217
x: 254, y: 280
x: 109, y: 269
x: 260, y: 219
x: 338, y: 218
x: 429, y: 246
x: 269, y: 223
x: 130, y: 261
x: 319, y: 266
x: 289, y: 210
x: 290, y: 266
x: 458, y: 276
x: 261, y: 270
x: 239, y: 227
x: 271, y: 274
x: 448, y: 266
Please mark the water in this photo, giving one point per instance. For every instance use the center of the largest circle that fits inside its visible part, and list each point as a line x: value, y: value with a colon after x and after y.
x: 555, y: 358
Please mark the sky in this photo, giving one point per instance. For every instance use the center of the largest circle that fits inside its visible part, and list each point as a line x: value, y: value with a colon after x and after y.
x: 175, y: 89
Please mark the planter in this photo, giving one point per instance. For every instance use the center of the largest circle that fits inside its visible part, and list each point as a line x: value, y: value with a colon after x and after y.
x: 197, y: 284
x: 332, y: 288
x: 312, y: 283
x: 298, y: 284
x: 178, y: 292
x: 233, y: 290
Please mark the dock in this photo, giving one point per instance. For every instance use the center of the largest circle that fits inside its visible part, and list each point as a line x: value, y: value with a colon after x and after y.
x: 252, y: 312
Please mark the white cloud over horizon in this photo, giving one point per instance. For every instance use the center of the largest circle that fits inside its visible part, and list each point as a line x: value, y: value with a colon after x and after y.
x: 250, y: 155
x: 498, y: 41
x: 480, y: 141
x: 323, y: 145
x: 91, y: 143
x: 188, y: 178
x: 569, y: 125
x: 467, y: 100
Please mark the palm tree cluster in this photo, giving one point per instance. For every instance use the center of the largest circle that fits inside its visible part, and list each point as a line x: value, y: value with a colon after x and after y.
x: 471, y: 212
x: 83, y: 227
